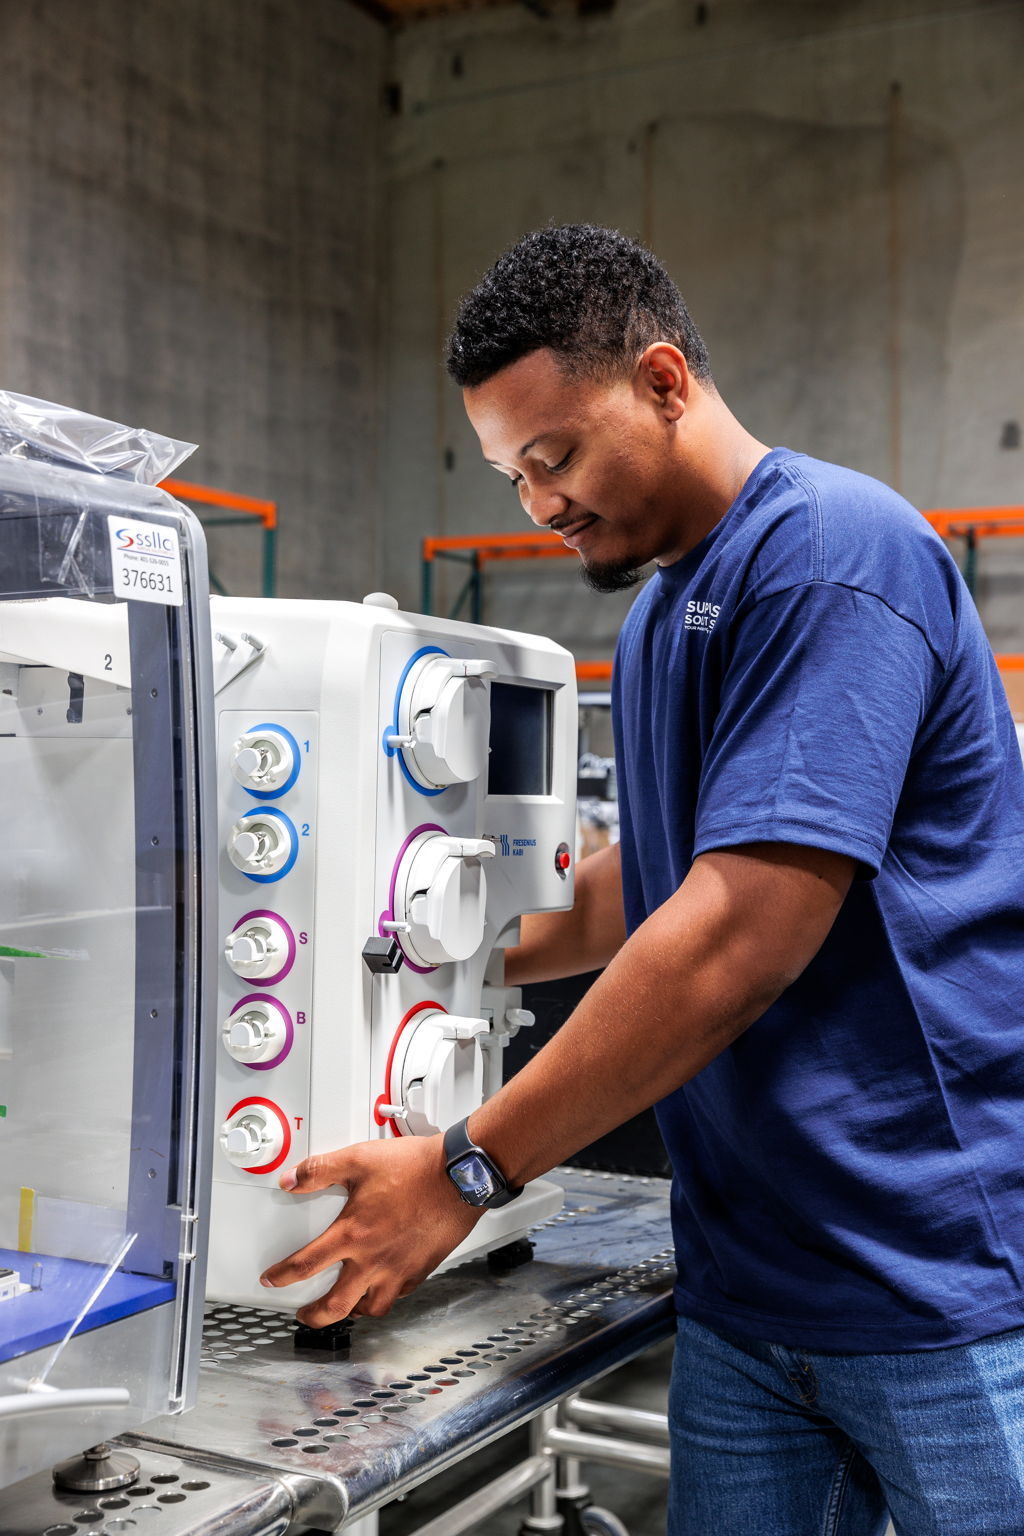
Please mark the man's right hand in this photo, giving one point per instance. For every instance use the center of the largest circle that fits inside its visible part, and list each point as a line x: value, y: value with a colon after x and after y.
x: 556, y: 944
x: 403, y: 1216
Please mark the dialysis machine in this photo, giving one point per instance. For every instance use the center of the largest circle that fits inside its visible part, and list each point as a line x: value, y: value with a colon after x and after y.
x: 395, y: 792
x: 104, y: 1132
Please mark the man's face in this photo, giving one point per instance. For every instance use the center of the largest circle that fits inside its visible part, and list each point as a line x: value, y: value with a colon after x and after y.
x: 591, y: 461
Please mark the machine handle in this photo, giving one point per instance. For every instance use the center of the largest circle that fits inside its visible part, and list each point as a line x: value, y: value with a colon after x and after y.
x: 474, y: 669
x: 470, y: 848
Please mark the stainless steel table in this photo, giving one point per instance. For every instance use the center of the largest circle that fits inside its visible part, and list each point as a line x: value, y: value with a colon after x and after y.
x: 283, y: 1441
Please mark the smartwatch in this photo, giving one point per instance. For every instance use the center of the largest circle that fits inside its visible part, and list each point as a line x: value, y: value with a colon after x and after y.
x: 477, y: 1177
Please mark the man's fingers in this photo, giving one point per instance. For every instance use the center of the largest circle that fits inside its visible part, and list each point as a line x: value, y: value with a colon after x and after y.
x: 327, y: 1249
x: 349, y: 1296
x: 321, y: 1172
x: 378, y: 1300
x: 355, y: 1293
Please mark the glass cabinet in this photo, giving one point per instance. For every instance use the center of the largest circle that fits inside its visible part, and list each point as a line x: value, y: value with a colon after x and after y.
x: 104, y: 938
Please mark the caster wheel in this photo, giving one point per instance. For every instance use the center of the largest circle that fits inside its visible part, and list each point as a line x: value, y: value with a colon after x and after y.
x: 601, y: 1522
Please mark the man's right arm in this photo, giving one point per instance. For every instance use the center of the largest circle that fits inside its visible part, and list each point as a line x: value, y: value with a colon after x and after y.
x: 556, y: 944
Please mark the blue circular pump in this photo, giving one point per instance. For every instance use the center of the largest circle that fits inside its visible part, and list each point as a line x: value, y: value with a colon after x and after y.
x: 394, y: 729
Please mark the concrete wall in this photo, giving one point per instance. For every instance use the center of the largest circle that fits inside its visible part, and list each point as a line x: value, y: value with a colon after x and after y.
x: 836, y: 187
x: 210, y: 226
x: 189, y: 231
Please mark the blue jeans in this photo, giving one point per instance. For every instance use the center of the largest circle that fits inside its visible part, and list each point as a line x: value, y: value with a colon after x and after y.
x: 773, y: 1441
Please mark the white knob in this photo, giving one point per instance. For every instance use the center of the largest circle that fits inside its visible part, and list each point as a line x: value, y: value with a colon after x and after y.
x: 380, y: 600
x: 247, y: 762
x: 263, y: 760
x: 252, y: 1138
x: 519, y: 1018
x: 255, y: 1031
x: 248, y: 949
x: 248, y: 847
x: 242, y: 1141
x: 261, y: 844
x: 260, y: 947
x: 244, y: 1034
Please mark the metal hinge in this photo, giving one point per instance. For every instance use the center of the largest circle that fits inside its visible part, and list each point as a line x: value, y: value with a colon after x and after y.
x: 189, y: 1221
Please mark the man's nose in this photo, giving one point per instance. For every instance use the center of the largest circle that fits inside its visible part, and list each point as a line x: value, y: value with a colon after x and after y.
x: 543, y: 503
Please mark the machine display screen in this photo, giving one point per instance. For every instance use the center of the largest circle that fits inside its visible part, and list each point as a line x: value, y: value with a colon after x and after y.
x: 520, y: 759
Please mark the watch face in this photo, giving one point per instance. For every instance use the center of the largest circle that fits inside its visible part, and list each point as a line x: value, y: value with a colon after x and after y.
x: 476, y: 1179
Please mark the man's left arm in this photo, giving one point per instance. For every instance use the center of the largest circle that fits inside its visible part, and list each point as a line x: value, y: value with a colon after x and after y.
x: 741, y: 928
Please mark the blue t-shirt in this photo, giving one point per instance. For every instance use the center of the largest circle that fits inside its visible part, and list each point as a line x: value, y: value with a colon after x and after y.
x: 849, y: 1174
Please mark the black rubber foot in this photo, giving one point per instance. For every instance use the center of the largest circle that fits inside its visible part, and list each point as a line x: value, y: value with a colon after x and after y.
x: 501, y: 1260
x: 335, y: 1339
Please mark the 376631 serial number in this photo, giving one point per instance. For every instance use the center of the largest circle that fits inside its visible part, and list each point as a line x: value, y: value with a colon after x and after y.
x: 149, y: 581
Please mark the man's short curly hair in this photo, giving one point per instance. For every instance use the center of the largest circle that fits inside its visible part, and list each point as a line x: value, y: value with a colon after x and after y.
x: 595, y: 298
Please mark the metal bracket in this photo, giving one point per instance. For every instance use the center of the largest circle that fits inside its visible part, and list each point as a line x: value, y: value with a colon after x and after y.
x: 231, y: 660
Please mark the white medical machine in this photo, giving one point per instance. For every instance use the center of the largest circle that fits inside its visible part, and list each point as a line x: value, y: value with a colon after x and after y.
x: 105, y: 1138
x: 395, y: 792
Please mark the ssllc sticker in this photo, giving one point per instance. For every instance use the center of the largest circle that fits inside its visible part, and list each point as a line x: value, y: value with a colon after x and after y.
x: 146, y: 561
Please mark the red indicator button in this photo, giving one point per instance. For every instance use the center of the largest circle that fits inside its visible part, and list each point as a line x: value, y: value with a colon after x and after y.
x: 563, y: 859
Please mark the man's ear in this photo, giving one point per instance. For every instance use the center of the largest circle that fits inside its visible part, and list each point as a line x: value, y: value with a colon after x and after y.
x: 663, y: 379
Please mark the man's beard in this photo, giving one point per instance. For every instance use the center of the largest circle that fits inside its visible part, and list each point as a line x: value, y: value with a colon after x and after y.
x: 610, y: 576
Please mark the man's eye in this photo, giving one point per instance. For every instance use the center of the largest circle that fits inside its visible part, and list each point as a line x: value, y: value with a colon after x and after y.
x: 516, y: 480
x: 554, y: 469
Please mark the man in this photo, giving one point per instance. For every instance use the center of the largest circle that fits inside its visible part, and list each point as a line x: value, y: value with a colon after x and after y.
x: 821, y: 878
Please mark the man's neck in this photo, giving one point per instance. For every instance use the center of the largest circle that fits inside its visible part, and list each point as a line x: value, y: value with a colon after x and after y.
x: 717, y: 466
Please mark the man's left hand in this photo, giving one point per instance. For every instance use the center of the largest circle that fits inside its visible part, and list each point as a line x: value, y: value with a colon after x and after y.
x: 403, y: 1216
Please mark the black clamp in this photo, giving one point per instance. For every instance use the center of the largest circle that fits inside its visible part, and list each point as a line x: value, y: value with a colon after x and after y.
x: 383, y: 956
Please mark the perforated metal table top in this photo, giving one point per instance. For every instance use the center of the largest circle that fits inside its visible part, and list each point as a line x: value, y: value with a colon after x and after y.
x: 470, y: 1355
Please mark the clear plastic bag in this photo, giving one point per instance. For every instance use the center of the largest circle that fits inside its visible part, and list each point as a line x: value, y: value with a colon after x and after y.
x: 57, y: 434
x: 64, y: 469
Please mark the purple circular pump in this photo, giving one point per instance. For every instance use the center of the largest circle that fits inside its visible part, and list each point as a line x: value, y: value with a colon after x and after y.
x: 389, y: 915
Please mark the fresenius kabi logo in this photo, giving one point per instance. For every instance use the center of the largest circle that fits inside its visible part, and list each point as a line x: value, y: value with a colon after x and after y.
x: 512, y: 847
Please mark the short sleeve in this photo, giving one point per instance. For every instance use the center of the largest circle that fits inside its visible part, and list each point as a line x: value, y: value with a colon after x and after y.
x: 823, y: 693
